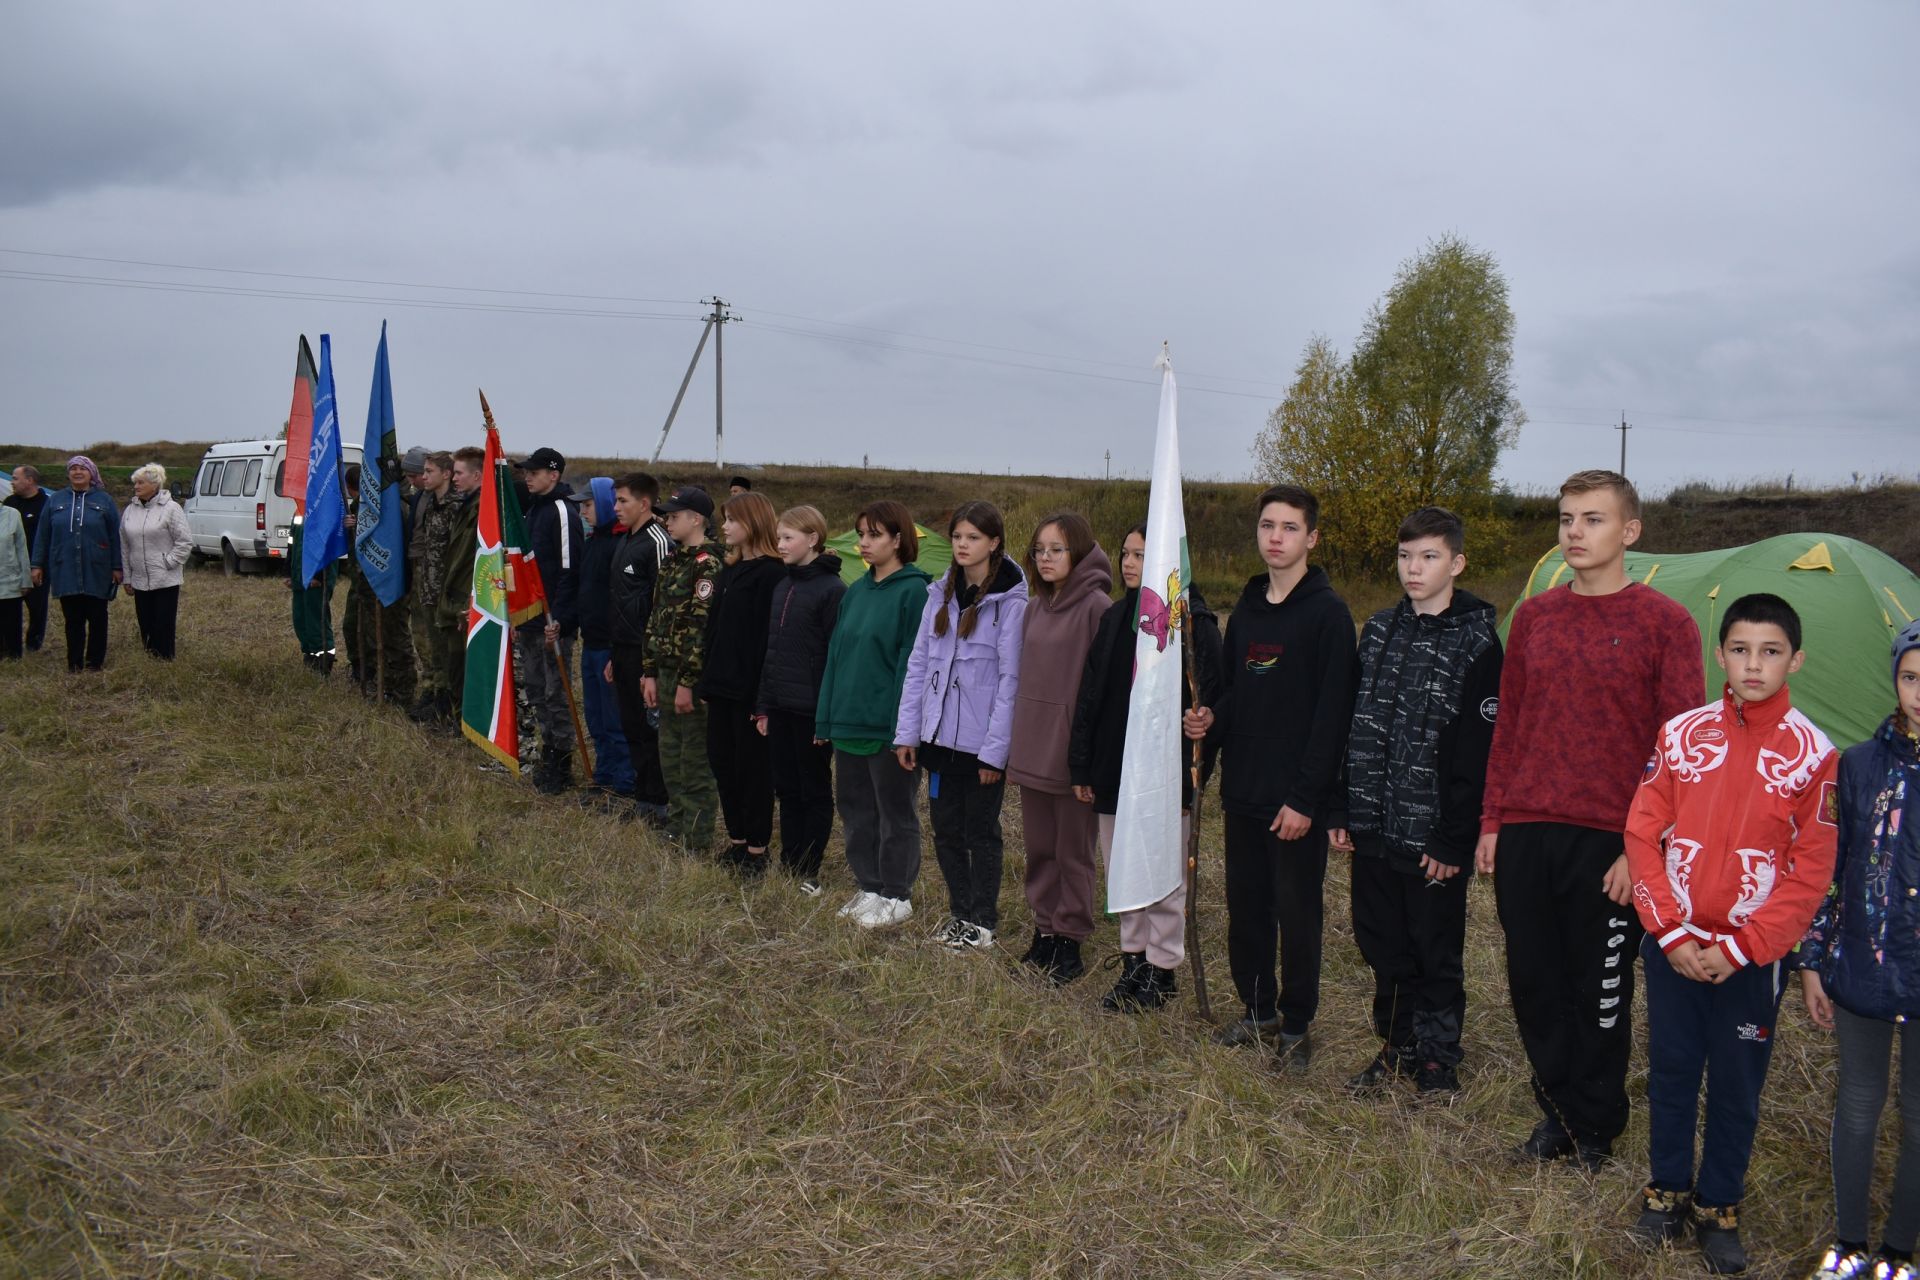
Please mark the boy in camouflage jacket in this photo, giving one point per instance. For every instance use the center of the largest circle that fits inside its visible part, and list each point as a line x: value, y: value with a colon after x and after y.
x: 676, y: 634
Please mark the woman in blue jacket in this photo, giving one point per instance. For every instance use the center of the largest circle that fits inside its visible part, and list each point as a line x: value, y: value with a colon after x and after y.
x: 1860, y: 976
x: 77, y: 553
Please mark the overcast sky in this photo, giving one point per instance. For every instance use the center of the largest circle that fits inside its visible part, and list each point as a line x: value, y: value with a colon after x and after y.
x: 956, y: 235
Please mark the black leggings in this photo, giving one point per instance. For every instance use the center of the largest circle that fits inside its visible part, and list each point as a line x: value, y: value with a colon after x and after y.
x: 86, y: 618
x: 156, y: 609
x: 803, y: 779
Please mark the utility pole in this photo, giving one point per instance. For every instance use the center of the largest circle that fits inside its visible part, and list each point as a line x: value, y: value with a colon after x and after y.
x: 1109, y: 466
x: 719, y: 317
x: 1624, y: 428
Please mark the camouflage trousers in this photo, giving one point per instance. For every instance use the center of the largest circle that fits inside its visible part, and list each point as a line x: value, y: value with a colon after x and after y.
x: 692, y: 798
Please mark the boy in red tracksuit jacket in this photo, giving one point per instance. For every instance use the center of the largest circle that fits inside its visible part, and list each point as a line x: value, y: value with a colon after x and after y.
x: 1730, y: 843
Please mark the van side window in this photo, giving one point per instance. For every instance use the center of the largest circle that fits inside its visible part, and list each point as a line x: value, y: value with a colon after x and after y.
x: 210, y: 487
x: 235, y: 478
x: 253, y: 476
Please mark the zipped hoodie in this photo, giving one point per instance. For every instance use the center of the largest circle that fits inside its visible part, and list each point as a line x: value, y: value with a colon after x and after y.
x: 1053, y: 656
x: 867, y: 660
x: 1731, y: 835
x: 959, y: 693
x: 800, y: 623
x: 596, y: 567
x: 1287, y: 686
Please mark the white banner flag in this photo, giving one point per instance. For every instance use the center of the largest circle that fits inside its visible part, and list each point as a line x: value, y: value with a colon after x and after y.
x: 1147, y: 860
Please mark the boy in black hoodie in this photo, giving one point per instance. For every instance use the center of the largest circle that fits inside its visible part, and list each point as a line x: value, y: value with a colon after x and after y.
x: 1410, y: 808
x: 1287, y: 683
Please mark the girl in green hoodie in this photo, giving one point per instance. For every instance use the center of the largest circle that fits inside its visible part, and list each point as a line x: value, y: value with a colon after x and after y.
x: 859, y: 702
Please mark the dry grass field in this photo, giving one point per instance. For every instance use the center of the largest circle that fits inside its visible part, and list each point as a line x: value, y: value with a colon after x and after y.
x: 289, y: 987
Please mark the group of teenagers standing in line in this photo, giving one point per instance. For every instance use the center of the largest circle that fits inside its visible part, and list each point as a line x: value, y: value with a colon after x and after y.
x: 1726, y: 844
x: 76, y: 546
x: 1720, y: 845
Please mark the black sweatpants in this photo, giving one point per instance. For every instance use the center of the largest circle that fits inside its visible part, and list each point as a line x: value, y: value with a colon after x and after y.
x: 1274, y: 895
x: 1412, y: 932
x: 1570, y: 956
x: 967, y: 841
x: 156, y: 609
x: 36, y: 605
x: 86, y: 619
x: 803, y: 780
x: 737, y: 754
x: 879, y: 821
x: 643, y: 739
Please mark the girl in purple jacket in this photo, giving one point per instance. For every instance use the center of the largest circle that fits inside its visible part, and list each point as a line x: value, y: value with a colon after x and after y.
x: 956, y: 715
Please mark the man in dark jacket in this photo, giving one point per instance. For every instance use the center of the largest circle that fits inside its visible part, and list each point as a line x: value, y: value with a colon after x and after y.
x: 612, y: 764
x: 1286, y: 696
x: 543, y: 646
x: 1409, y: 810
x: 631, y: 575
x: 29, y: 499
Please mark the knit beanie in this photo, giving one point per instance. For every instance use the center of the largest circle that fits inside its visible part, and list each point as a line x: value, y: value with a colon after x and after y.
x: 1904, y: 643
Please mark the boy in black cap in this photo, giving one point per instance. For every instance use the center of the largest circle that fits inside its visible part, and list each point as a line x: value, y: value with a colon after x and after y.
x: 543, y: 650
x: 676, y: 633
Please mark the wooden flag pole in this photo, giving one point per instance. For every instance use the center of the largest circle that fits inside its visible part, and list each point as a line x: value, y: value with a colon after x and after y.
x: 1194, y: 957
x: 573, y: 706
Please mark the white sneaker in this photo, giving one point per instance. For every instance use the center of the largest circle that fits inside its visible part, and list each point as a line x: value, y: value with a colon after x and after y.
x: 810, y: 887
x: 973, y: 937
x: 858, y: 903
x: 948, y: 934
x: 884, y: 912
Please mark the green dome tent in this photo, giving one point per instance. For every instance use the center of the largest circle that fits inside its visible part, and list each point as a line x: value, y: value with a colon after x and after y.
x: 936, y: 553
x: 1852, y: 599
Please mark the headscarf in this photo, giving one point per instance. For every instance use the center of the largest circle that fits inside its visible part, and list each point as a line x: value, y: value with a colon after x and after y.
x: 82, y: 460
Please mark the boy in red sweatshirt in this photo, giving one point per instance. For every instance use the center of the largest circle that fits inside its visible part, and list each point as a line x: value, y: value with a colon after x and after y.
x: 1593, y: 669
x: 1731, y: 844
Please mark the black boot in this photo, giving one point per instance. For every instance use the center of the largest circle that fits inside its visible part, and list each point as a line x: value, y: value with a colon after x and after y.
x: 424, y: 709
x: 1548, y: 1141
x: 1663, y: 1217
x: 1040, y: 952
x: 1065, y: 964
x: 554, y: 773
x: 1718, y: 1230
x: 1154, y: 987
x: 1387, y: 1066
x: 1125, y: 994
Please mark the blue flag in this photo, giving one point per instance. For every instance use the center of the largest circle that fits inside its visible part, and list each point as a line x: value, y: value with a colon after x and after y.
x: 379, y: 534
x: 324, y: 539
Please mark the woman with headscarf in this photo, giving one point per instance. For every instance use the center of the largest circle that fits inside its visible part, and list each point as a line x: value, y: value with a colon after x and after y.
x: 154, y: 543
x: 77, y: 554
x: 16, y: 568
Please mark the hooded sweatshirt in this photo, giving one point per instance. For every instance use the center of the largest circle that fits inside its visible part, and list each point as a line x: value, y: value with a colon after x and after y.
x: 959, y: 694
x: 737, y: 629
x: 1287, y: 685
x: 596, y: 565
x: 800, y: 623
x: 154, y: 542
x: 867, y: 661
x: 1053, y: 655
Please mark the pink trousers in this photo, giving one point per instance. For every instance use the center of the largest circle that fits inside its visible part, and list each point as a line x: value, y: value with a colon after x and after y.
x: 1159, y: 929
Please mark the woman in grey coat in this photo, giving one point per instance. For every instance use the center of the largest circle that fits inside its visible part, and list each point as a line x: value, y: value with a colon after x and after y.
x: 154, y: 544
